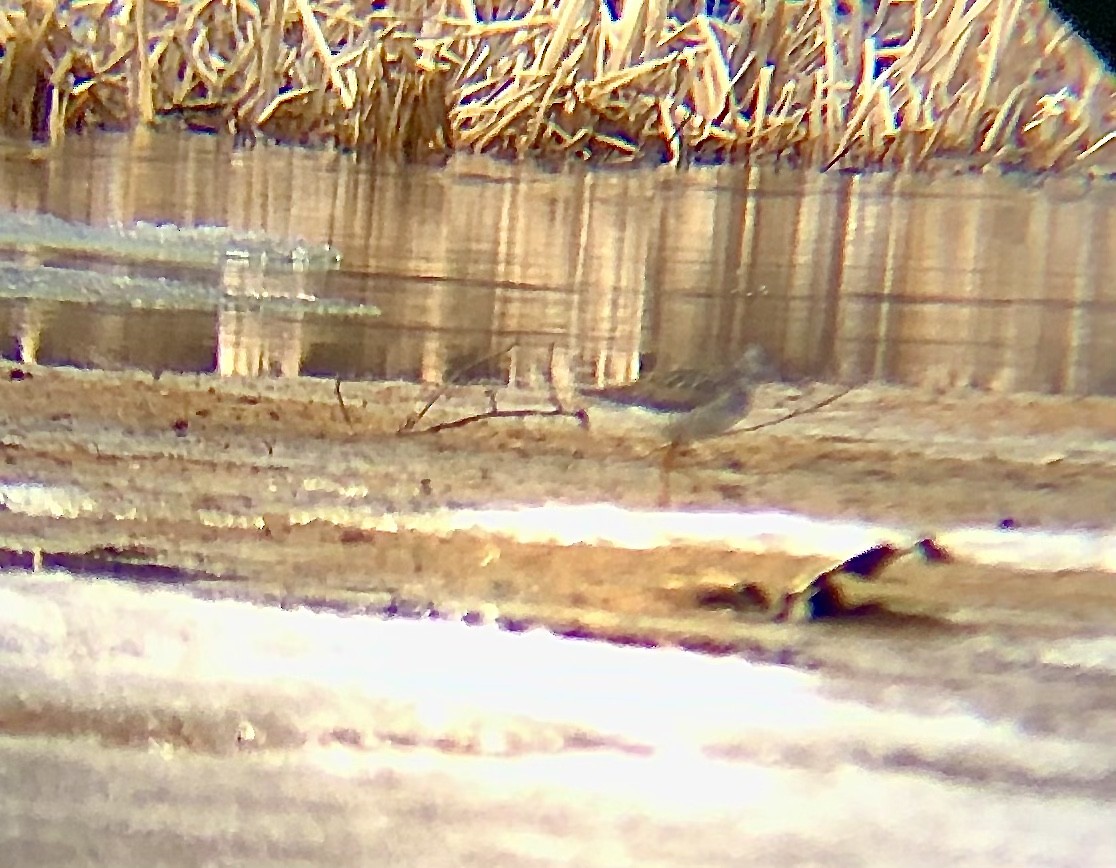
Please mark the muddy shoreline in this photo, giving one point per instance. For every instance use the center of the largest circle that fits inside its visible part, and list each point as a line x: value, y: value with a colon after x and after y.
x: 218, y: 475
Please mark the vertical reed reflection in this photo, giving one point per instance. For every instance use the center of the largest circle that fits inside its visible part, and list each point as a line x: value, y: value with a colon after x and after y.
x: 952, y: 279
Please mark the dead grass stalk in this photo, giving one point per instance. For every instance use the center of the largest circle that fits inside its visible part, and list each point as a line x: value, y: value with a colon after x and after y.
x: 992, y: 82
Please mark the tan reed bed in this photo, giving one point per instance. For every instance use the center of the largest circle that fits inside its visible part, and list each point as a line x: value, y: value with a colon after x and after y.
x: 993, y: 82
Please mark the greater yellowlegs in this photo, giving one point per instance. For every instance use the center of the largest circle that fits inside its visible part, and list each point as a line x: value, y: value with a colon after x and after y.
x: 693, y: 405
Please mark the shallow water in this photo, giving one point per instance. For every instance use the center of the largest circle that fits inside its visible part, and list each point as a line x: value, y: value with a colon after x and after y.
x: 349, y: 738
x: 982, y: 280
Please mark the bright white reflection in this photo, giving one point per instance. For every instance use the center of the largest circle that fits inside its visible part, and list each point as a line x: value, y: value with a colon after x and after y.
x: 761, y: 531
x: 479, y: 688
x: 610, y: 525
x: 510, y: 724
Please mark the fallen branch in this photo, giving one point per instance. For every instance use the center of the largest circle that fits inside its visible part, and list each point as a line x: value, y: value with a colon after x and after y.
x: 411, y: 421
x: 494, y: 412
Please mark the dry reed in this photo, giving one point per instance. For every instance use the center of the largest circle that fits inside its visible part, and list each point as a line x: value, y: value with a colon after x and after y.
x: 894, y: 83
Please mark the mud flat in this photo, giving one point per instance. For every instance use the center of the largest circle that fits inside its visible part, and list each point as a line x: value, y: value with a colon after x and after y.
x: 265, y: 489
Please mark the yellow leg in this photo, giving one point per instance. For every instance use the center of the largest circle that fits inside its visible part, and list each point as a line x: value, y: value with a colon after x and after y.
x: 664, y: 474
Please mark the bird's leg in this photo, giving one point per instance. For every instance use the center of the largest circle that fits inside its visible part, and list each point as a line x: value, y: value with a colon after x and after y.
x: 664, y: 473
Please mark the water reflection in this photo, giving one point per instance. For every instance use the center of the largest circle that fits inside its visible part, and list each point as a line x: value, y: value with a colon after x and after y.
x: 596, y: 276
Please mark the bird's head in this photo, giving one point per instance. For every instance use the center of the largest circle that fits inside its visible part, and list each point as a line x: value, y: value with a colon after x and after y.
x: 756, y: 365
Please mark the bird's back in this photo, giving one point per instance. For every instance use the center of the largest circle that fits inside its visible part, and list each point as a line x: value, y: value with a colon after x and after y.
x: 684, y: 390
x: 715, y: 416
x: 702, y: 404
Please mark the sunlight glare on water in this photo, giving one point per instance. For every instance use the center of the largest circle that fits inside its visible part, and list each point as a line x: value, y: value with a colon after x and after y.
x: 761, y: 531
x: 95, y: 634
x: 321, y: 671
x: 519, y: 723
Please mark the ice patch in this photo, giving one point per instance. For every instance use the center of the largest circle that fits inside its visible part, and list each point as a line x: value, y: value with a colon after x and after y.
x: 751, y: 758
x: 148, y: 242
x: 1098, y: 653
x: 610, y: 525
x: 756, y: 532
x: 47, y: 501
x: 477, y: 688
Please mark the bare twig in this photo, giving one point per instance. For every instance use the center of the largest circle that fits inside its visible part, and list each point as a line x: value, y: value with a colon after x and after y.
x: 557, y: 408
x: 411, y: 421
x: 558, y: 411
x: 813, y: 408
x: 341, y: 403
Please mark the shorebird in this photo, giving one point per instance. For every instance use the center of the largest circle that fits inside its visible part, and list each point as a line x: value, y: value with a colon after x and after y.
x: 693, y: 405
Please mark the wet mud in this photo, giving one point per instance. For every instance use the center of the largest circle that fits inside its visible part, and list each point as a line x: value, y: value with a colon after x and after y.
x: 248, y: 487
